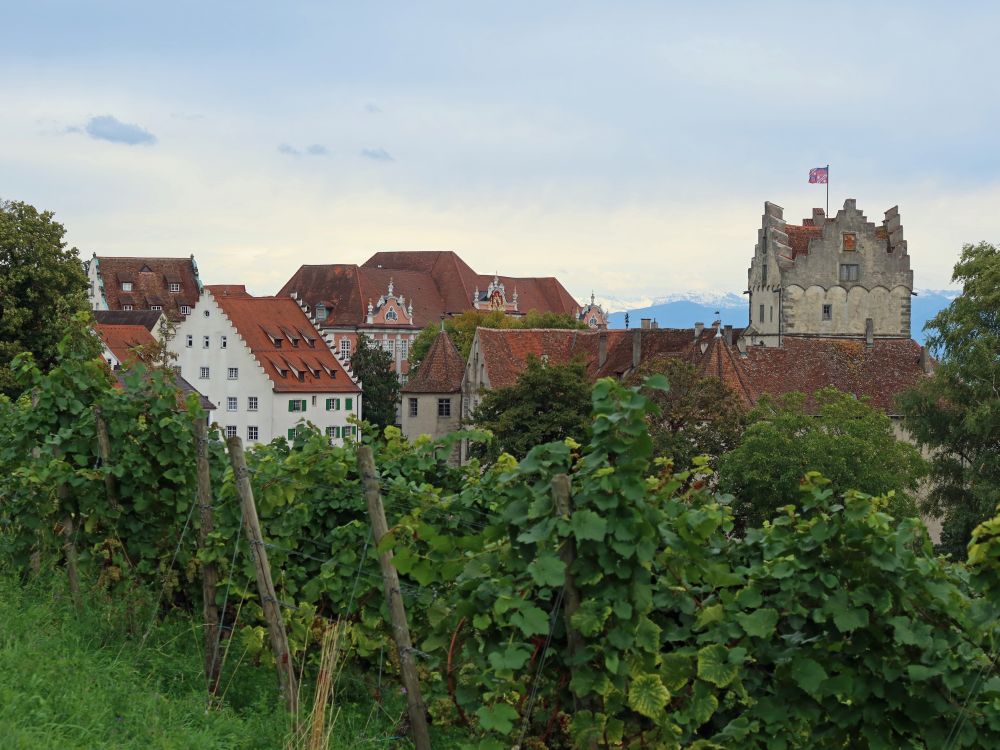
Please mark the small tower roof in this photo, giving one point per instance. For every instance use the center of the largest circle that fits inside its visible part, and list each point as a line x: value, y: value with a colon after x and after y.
x: 441, y: 369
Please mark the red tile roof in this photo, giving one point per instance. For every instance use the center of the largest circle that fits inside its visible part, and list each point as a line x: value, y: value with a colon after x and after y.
x: 799, y: 236
x: 440, y: 370
x: 803, y: 364
x: 283, y: 340
x: 437, y: 283
x: 150, y: 279
x: 145, y: 318
x: 122, y: 339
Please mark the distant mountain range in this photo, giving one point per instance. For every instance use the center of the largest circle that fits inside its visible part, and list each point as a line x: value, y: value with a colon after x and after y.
x: 684, y: 310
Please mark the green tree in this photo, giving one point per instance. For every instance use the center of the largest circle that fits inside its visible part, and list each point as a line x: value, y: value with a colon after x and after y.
x: 850, y: 442
x: 696, y: 416
x: 41, y: 285
x: 548, y: 402
x: 372, y: 365
x: 956, y: 412
x: 462, y: 329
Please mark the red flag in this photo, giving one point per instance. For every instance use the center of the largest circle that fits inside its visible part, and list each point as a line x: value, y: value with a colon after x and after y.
x: 819, y: 174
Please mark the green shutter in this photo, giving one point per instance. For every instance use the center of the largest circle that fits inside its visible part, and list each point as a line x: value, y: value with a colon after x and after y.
x: 350, y: 403
x: 291, y: 406
x: 291, y: 434
x: 303, y: 405
x: 329, y: 404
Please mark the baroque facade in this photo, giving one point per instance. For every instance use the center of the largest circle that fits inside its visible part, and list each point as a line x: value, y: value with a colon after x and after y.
x: 829, y: 276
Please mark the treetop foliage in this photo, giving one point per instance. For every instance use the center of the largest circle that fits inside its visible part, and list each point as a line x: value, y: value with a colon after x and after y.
x: 462, y: 328
x: 372, y: 365
x: 956, y: 412
x: 41, y: 285
x: 850, y: 442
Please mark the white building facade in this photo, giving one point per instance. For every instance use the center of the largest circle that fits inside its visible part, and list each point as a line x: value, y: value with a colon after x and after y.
x: 265, y: 366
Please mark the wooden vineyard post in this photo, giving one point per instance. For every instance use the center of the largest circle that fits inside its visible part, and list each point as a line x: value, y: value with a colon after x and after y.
x: 69, y: 549
x: 571, y: 597
x: 209, y: 570
x: 265, y: 586
x: 397, y: 612
x: 104, y: 451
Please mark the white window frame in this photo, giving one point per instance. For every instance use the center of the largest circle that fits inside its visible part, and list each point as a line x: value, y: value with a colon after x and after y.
x: 232, y: 403
x: 252, y: 403
x: 233, y: 373
x: 185, y: 309
x: 253, y: 432
x: 231, y: 430
x: 189, y: 341
x: 223, y: 342
x: 204, y: 373
x: 126, y: 286
x: 174, y: 287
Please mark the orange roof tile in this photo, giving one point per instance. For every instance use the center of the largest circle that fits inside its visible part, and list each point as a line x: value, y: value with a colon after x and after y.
x: 441, y: 369
x: 283, y: 340
x: 122, y: 339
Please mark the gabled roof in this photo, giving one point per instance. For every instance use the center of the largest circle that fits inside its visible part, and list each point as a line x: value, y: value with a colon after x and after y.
x: 806, y: 364
x: 440, y: 370
x: 148, y: 319
x: 121, y: 340
x: 150, y: 279
x: 284, y: 342
x: 436, y: 283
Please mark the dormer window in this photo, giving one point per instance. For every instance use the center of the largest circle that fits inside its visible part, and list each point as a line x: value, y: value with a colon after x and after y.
x: 391, y: 315
x: 185, y: 309
x: 321, y: 311
x: 126, y: 286
x: 175, y: 287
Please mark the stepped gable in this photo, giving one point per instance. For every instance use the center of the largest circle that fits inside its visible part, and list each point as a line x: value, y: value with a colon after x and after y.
x: 121, y: 340
x: 150, y: 279
x: 148, y: 319
x: 440, y: 371
x: 879, y: 372
x: 293, y: 354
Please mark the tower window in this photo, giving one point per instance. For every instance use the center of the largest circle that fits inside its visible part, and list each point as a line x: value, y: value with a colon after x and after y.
x: 849, y: 271
x: 827, y: 312
x: 763, y: 274
x: 761, y: 314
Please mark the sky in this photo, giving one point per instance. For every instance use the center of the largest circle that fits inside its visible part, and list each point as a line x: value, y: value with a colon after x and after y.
x: 626, y: 148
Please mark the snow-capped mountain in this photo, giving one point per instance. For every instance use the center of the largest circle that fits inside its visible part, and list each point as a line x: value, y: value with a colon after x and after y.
x: 684, y: 309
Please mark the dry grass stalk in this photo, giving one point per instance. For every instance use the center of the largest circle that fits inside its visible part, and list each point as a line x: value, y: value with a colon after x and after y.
x: 315, y: 735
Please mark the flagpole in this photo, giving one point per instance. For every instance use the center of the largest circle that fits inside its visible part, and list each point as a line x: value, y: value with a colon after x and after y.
x: 827, y: 189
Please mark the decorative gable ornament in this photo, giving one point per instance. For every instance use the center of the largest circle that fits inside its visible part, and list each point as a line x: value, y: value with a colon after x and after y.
x: 388, y: 309
x: 593, y: 314
x: 495, y: 297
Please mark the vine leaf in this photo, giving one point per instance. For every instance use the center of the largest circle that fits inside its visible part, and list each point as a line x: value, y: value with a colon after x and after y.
x: 714, y: 666
x: 548, y: 570
x: 588, y: 525
x: 498, y: 718
x: 648, y: 695
x: 808, y: 674
x: 759, y: 624
x: 531, y: 620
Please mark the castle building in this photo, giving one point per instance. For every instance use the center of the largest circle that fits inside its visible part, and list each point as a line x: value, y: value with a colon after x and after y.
x: 432, y: 398
x: 839, y: 276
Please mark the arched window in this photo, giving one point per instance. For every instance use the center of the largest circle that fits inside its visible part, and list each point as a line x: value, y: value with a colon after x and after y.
x: 391, y: 315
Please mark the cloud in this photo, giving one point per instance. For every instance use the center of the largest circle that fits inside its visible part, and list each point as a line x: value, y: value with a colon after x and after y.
x: 372, y: 108
x: 108, y: 128
x: 290, y: 150
x: 317, y: 149
x: 377, y: 154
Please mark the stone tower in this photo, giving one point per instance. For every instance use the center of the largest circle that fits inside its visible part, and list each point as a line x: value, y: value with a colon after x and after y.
x: 829, y: 276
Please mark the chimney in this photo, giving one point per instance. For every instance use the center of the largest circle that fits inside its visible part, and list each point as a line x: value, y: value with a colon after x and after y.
x: 869, y: 333
x: 728, y: 335
x: 818, y: 217
x: 698, y: 328
x: 644, y: 323
x: 926, y: 361
x: 602, y: 349
x: 636, y: 346
x: 654, y: 324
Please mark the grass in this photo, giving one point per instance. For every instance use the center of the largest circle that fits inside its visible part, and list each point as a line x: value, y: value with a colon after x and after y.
x: 78, y: 681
